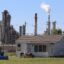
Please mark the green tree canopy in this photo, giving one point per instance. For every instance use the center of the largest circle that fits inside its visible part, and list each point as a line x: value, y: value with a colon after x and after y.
x: 57, y: 31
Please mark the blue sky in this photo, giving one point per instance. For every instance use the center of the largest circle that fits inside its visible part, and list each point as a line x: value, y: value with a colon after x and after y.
x: 24, y: 10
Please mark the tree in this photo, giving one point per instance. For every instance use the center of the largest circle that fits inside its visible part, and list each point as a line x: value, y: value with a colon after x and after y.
x: 57, y: 32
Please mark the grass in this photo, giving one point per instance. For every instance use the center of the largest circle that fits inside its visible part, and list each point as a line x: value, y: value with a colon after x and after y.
x: 16, y: 60
x: 10, y: 54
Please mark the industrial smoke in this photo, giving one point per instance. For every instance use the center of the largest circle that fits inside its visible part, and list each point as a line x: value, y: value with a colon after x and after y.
x: 46, y: 7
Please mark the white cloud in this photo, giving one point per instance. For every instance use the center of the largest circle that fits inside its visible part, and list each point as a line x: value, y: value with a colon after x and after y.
x: 45, y: 7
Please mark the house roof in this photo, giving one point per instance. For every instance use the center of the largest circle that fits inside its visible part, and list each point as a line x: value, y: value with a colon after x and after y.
x: 41, y: 39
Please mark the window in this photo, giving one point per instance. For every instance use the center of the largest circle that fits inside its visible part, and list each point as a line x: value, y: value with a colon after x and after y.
x: 52, y: 43
x: 19, y: 45
x: 40, y: 48
x: 44, y: 48
x: 35, y: 48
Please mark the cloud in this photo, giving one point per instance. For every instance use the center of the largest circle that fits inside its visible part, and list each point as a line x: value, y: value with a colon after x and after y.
x: 45, y: 7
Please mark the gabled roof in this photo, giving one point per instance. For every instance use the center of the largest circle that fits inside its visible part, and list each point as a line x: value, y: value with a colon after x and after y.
x: 41, y: 39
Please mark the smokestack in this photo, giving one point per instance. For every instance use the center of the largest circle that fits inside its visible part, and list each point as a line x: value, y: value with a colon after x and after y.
x: 54, y: 25
x: 4, y: 26
x: 49, y: 24
x: 20, y: 30
x: 9, y: 20
x: 35, y: 26
x: 24, y: 29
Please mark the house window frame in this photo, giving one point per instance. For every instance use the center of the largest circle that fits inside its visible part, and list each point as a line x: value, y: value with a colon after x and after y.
x: 35, y: 48
x: 39, y: 48
x: 44, y: 48
x: 18, y: 47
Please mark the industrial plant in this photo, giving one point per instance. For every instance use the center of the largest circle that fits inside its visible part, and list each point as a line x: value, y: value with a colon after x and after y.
x: 50, y: 43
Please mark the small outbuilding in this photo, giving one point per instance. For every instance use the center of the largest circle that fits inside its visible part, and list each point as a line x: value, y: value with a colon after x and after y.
x: 40, y: 46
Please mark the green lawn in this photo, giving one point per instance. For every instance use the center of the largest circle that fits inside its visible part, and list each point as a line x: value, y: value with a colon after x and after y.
x: 16, y: 60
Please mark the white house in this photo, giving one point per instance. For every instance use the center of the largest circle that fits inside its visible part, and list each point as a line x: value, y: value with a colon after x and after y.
x: 40, y: 46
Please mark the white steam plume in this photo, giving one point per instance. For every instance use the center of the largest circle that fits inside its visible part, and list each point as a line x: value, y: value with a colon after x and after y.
x: 46, y: 7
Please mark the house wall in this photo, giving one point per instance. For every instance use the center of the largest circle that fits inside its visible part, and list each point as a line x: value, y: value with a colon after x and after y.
x: 23, y: 49
x: 50, y: 49
x: 29, y: 48
x: 58, y: 49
